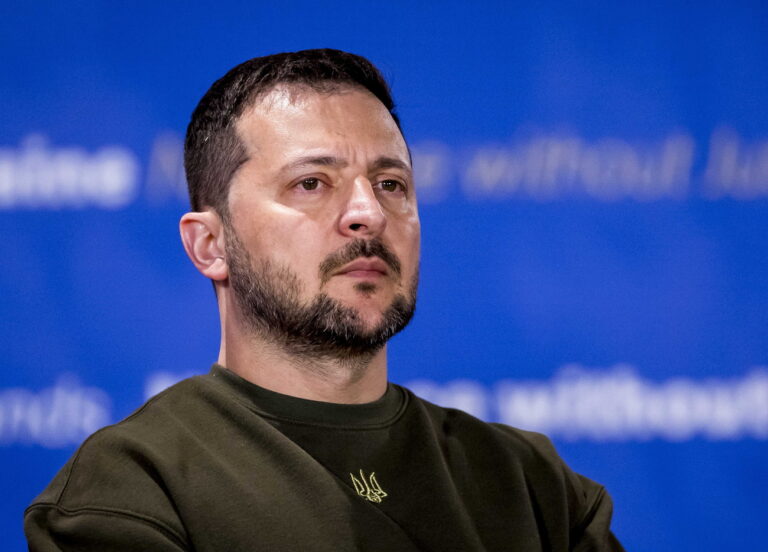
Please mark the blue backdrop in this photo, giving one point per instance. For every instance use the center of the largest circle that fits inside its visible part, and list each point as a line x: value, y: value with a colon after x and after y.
x: 593, y: 183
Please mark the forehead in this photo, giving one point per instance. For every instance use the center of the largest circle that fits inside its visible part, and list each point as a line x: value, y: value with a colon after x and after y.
x: 291, y: 119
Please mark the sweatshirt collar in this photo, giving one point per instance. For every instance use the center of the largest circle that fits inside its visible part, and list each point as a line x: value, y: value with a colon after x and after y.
x: 271, y: 404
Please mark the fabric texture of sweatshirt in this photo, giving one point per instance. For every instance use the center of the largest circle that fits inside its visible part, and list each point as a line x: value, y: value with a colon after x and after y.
x: 216, y: 463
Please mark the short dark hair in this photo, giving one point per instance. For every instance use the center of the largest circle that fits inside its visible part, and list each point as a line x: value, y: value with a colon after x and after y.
x: 212, y: 149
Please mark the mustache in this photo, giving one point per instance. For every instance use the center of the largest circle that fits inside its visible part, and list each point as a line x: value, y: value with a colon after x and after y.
x: 356, y: 249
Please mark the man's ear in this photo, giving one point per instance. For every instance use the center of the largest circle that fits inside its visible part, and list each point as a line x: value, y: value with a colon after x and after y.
x: 202, y: 234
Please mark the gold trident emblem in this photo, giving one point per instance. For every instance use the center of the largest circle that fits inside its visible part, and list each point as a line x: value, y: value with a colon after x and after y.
x: 368, y: 487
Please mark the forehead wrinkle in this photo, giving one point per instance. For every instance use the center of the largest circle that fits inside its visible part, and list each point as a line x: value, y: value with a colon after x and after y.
x: 296, y: 94
x: 380, y: 163
x: 273, y: 98
x: 287, y: 98
x: 292, y: 96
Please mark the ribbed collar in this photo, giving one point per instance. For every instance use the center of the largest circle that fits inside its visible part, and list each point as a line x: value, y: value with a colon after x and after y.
x: 380, y: 413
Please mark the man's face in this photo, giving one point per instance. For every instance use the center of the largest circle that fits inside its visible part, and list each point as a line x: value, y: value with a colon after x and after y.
x: 323, y: 236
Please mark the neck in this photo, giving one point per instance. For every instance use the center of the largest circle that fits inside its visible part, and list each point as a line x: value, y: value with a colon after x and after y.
x: 262, y: 361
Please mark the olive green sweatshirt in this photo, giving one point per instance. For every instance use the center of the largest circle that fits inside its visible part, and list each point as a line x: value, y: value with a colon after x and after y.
x: 216, y: 463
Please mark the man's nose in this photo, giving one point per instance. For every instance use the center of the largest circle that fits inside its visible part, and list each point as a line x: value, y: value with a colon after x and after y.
x: 362, y: 216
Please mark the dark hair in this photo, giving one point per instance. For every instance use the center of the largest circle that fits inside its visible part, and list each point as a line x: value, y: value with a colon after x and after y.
x: 212, y: 149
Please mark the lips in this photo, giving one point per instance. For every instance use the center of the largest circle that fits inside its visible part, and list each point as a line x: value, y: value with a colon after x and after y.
x: 364, y: 268
x: 372, y: 256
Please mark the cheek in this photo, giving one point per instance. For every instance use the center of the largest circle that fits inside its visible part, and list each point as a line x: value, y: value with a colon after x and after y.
x: 277, y: 228
x: 299, y: 247
x: 410, y: 244
x: 276, y: 238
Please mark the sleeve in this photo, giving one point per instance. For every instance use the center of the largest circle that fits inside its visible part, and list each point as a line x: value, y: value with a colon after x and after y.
x: 593, y: 532
x: 50, y: 528
x: 588, y: 505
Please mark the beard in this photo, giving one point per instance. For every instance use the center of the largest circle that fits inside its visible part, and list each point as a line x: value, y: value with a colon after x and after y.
x: 268, y: 296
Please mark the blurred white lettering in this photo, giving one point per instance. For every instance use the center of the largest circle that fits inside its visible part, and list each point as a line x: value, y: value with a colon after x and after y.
x: 39, y: 176
x: 166, y: 181
x: 616, y: 405
x: 59, y: 416
x: 736, y: 169
x: 160, y: 381
x: 546, y: 168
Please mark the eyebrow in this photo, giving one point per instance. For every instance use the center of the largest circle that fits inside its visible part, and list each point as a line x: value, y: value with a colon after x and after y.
x: 389, y: 163
x: 380, y: 163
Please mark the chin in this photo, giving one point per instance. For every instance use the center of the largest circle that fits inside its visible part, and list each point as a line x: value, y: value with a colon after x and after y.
x: 364, y: 294
x: 371, y: 313
x: 370, y: 319
x: 370, y: 303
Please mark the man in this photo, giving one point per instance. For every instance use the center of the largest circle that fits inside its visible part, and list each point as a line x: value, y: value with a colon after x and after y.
x: 305, y: 219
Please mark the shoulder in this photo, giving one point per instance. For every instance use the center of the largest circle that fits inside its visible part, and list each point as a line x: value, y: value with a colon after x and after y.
x: 115, y: 477
x: 157, y: 423
x: 514, y: 454
x: 117, y: 466
x: 459, y: 425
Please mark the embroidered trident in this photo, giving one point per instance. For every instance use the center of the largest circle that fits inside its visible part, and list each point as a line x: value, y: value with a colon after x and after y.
x: 368, y: 487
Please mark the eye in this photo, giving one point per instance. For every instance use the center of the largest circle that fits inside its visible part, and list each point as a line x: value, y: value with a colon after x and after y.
x: 309, y: 184
x: 392, y: 186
